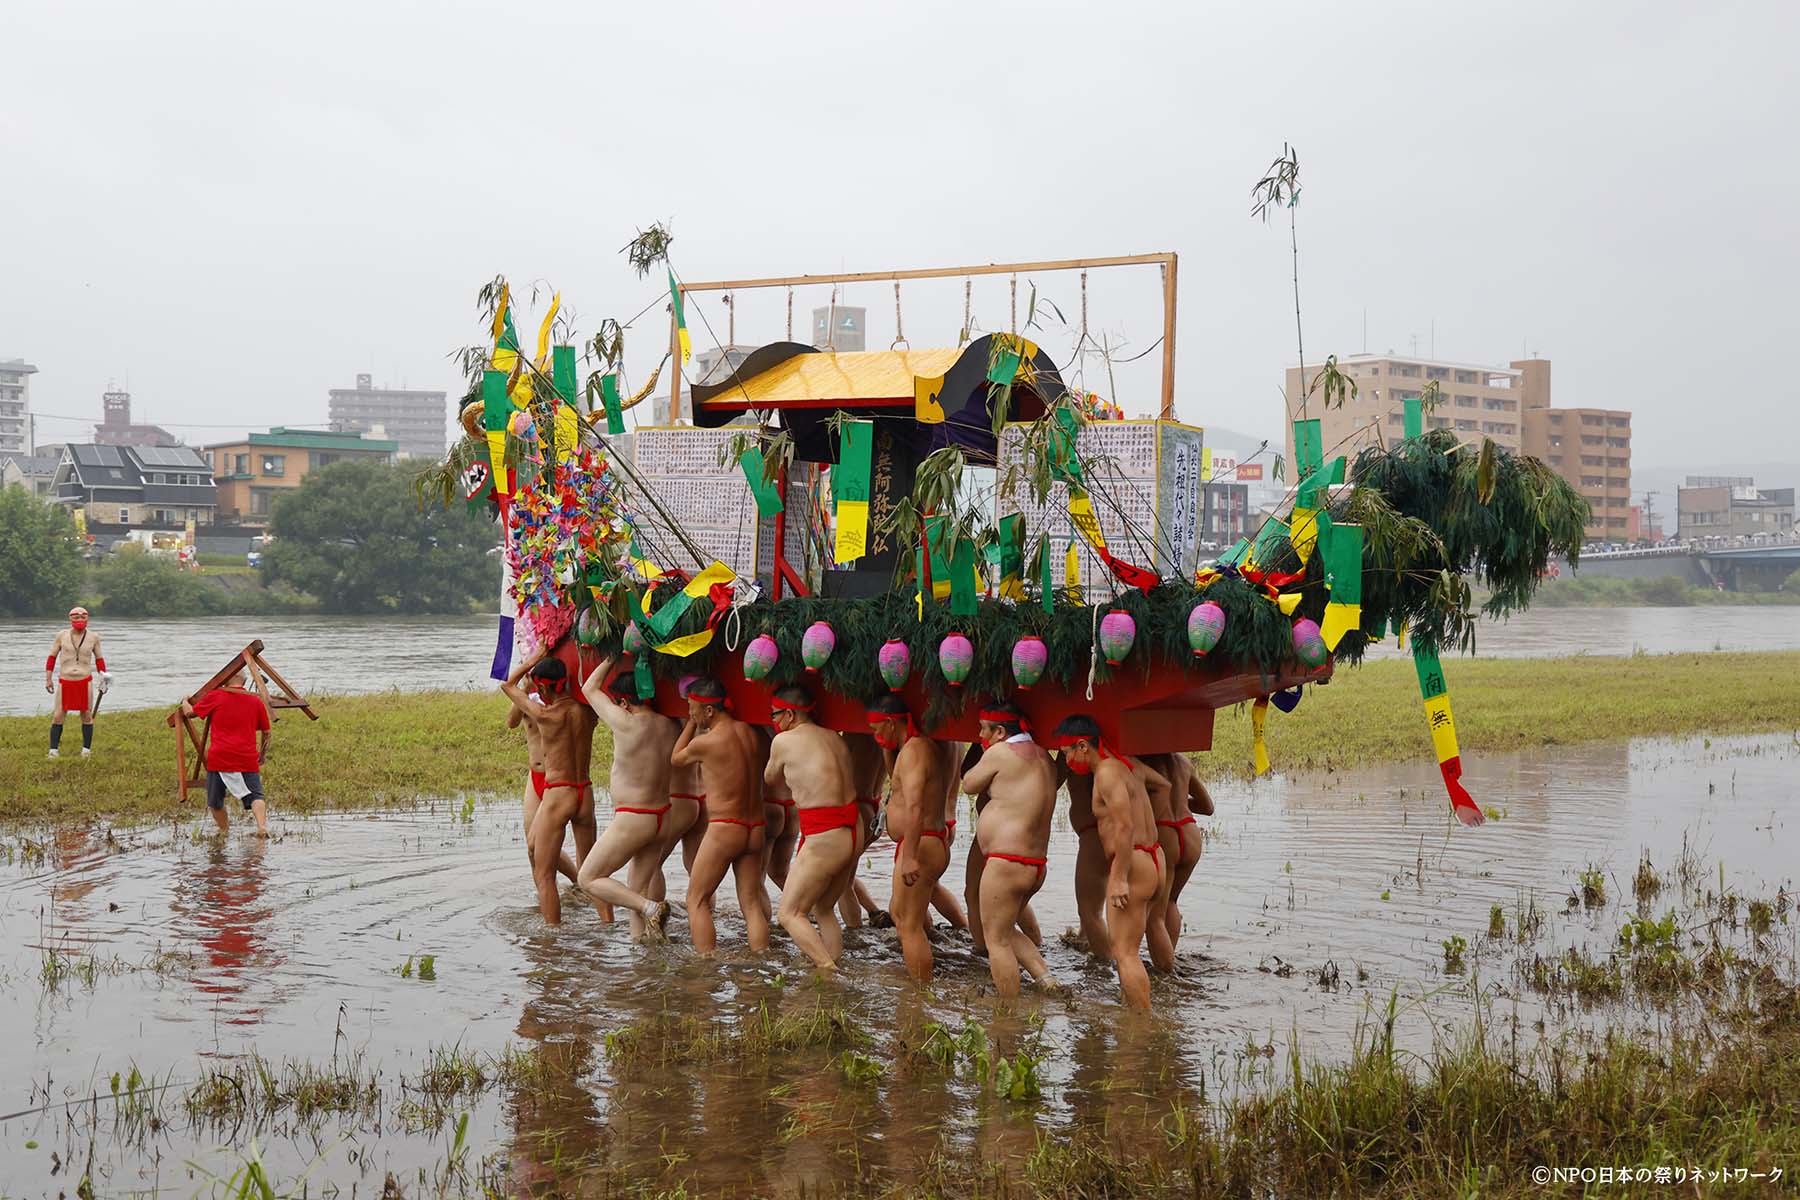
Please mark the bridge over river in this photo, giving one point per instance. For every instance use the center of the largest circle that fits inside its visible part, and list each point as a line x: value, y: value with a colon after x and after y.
x: 1759, y: 566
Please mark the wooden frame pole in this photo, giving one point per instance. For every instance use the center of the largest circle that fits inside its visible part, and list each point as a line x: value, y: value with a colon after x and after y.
x: 1167, y: 260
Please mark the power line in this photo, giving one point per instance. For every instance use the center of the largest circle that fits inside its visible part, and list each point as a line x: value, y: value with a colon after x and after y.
x: 176, y: 424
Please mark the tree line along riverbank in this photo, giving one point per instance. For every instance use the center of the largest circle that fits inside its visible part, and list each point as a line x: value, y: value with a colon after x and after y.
x: 400, y: 747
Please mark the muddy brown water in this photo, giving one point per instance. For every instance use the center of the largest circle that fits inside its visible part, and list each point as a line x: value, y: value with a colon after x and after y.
x: 185, y: 953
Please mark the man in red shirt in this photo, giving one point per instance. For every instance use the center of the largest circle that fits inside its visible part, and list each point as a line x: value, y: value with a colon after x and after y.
x: 233, y: 759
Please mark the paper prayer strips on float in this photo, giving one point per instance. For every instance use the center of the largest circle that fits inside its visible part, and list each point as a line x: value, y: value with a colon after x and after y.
x: 1305, y: 530
x: 1072, y: 573
x: 662, y: 622
x: 1443, y: 734
x: 681, y: 329
x: 1012, y: 557
x: 850, y: 490
x: 1259, y: 746
x: 1343, y: 554
x: 964, y: 584
x: 1414, y: 420
x: 609, y: 400
x: 764, y: 489
x: 496, y: 411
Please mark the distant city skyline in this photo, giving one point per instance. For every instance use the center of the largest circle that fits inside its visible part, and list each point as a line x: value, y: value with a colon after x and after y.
x: 219, y: 219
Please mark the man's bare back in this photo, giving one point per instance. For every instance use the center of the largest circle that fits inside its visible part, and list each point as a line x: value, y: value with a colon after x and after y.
x: 1013, y: 830
x: 560, y: 723
x: 814, y: 765
x: 726, y: 751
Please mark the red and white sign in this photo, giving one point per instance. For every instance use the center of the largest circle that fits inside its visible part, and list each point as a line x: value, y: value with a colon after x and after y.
x: 1249, y: 472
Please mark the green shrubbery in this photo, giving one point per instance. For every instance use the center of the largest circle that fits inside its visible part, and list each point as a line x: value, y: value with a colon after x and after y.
x: 1666, y: 591
x: 40, y: 564
x: 133, y: 583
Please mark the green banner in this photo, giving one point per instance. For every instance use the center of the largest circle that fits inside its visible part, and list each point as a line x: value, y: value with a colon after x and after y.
x: 1003, y: 366
x: 1431, y: 672
x: 609, y: 399
x: 1234, y: 557
x: 1010, y: 556
x: 1414, y: 409
x: 768, y: 496
x: 1268, y: 539
x: 662, y: 622
x: 1309, y: 447
x: 1342, y: 548
x: 1307, y: 495
x: 496, y: 409
x: 1065, y: 465
x: 646, y: 682
x: 855, y: 465
x: 562, y: 373
x: 964, y: 584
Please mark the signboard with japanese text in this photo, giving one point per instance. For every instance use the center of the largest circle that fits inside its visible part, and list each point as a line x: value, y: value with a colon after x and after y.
x: 1143, y: 482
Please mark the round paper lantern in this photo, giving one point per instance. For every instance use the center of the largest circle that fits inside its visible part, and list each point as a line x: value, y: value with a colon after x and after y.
x: 587, y: 627
x: 684, y: 683
x: 1028, y: 658
x: 956, y: 657
x: 760, y: 656
x: 1117, y: 634
x: 1308, y: 644
x: 895, y: 661
x: 1205, y: 624
x: 816, y: 645
x: 633, y: 642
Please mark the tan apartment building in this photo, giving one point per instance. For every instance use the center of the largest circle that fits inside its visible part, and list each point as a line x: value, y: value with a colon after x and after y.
x: 1589, y: 447
x: 252, y: 471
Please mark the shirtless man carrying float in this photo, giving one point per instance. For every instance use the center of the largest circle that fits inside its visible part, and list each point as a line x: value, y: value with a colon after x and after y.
x: 534, y: 780
x: 920, y: 821
x: 1013, y: 831
x: 1162, y: 807
x: 784, y: 825
x: 814, y: 765
x: 647, y: 819
x: 1127, y: 831
x: 1190, y: 800
x: 868, y: 775
x: 559, y: 722
x: 726, y: 751
x: 1090, y: 860
x: 1013, y: 723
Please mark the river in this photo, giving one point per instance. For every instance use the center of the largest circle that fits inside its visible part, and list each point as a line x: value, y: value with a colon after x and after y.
x: 155, y: 662
x: 1318, y: 898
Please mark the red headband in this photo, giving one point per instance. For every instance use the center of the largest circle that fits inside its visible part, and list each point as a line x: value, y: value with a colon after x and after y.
x: 780, y: 705
x: 999, y: 718
x: 1070, y: 739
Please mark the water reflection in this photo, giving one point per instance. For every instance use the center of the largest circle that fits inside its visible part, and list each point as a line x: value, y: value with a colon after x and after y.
x: 219, y: 903
x: 1362, y: 871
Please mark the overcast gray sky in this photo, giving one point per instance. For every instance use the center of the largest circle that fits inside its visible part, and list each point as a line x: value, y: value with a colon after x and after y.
x: 238, y: 207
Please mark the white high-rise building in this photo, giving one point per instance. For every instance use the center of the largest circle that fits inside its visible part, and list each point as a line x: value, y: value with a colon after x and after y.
x: 15, y: 405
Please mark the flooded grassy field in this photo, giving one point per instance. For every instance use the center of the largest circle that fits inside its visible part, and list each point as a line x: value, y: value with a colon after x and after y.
x: 369, y: 1004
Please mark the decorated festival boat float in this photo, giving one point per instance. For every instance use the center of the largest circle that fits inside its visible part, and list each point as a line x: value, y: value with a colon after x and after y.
x: 961, y: 525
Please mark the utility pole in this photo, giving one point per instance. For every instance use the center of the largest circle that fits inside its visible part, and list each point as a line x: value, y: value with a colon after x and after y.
x: 1649, y: 512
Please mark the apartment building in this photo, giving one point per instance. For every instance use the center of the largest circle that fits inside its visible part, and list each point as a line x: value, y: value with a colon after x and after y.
x: 417, y: 420
x: 1588, y: 447
x: 253, y: 470
x: 1732, y: 507
x: 15, y: 405
x: 1473, y: 400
